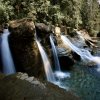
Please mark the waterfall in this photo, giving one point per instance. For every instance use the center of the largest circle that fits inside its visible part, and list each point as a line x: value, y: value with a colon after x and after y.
x: 58, y: 73
x: 8, y: 64
x: 56, y: 60
x: 47, y: 66
x: 84, y: 54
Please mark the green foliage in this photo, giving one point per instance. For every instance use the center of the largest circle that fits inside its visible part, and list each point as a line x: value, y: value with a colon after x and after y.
x: 4, y: 12
x: 20, y: 8
x: 71, y: 13
x: 90, y: 13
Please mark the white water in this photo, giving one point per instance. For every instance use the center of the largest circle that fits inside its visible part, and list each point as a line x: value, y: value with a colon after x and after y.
x: 8, y: 64
x: 84, y: 54
x: 56, y: 60
x: 62, y: 75
x: 47, y: 66
x: 58, y: 73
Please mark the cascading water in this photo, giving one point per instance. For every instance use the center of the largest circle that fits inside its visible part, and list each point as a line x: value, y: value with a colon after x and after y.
x: 51, y: 77
x: 84, y: 54
x: 58, y: 73
x: 56, y: 60
x: 8, y: 64
x: 47, y: 66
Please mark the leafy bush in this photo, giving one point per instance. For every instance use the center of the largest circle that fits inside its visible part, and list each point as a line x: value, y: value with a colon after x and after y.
x: 5, y: 11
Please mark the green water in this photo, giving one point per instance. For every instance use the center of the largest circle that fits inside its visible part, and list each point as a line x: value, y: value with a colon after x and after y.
x: 84, y: 83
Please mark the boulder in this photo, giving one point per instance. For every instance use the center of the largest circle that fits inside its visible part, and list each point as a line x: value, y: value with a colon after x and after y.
x: 24, y: 48
x: 43, y: 28
x: 12, y: 87
x: 43, y: 32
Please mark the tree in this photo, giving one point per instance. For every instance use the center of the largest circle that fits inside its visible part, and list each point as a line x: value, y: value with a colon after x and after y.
x: 90, y: 14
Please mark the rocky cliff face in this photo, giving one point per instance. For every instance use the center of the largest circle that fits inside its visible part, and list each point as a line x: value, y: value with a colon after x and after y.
x: 24, y: 48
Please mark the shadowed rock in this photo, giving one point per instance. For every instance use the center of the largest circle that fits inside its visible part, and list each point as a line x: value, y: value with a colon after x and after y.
x: 24, y: 48
x: 14, y: 88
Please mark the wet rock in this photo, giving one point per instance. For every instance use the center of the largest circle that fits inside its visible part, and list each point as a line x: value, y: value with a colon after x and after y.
x: 24, y: 48
x: 43, y: 31
x: 66, y: 62
x: 63, y: 51
x: 13, y: 88
x: 57, y: 31
x: 43, y: 28
x: 76, y: 56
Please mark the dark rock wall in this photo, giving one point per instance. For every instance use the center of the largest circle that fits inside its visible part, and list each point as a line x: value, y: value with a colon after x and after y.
x: 24, y: 48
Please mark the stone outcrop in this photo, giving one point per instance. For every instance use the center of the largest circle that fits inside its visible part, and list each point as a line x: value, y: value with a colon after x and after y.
x: 24, y: 48
x: 43, y: 32
x: 21, y: 87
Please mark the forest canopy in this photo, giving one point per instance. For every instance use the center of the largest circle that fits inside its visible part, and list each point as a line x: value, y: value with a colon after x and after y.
x: 72, y: 13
